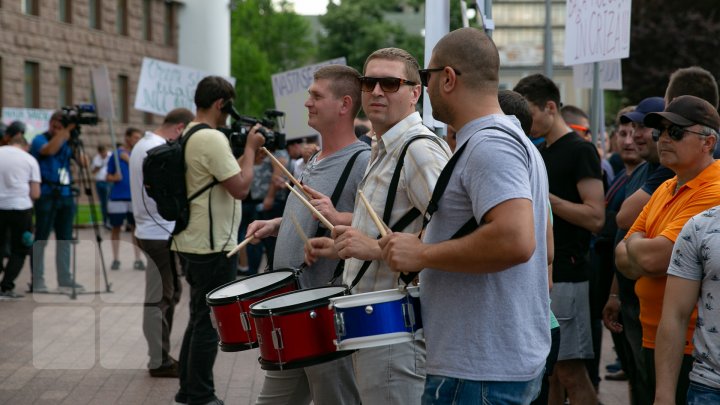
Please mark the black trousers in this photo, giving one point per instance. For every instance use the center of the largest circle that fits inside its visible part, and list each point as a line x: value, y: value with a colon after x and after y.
x: 13, y: 224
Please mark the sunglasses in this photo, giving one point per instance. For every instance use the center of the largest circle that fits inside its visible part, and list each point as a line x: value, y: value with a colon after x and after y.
x: 581, y: 129
x: 675, y: 132
x: 425, y: 74
x: 387, y: 84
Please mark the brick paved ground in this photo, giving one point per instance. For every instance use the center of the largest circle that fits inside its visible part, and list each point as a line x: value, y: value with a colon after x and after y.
x: 91, y: 350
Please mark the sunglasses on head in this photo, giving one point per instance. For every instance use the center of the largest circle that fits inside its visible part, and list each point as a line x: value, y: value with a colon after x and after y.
x: 675, y: 132
x: 387, y: 84
x: 425, y: 74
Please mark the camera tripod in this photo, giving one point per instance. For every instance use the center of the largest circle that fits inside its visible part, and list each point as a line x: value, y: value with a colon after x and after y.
x: 84, y: 185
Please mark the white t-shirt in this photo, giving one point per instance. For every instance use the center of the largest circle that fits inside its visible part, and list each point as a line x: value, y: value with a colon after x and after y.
x: 17, y: 169
x: 148, y: 222
x: 102, y: 163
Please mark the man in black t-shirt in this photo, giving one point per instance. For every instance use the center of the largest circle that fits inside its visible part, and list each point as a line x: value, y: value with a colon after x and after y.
x: 577, y: 202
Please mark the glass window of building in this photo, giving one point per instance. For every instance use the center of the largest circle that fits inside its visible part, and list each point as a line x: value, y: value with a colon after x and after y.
x: 121, y: 19
x: 65, y: 11
x: 31, y: 84
x: 147, y: 20
x: 65, y: 82
x: 95, y: 14
x: 169, y: 24
x: 31, y: 7
x: 123, y: 103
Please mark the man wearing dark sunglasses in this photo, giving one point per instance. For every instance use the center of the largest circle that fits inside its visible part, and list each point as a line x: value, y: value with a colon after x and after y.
x: 494, y: 269
x: 687, y: 135
x: 393, y: 374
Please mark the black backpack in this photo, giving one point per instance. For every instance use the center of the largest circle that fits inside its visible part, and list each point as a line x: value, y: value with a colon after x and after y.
x: 164, y: 180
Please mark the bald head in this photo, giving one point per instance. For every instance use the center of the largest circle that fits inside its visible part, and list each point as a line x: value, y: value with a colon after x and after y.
x: 472, y: 53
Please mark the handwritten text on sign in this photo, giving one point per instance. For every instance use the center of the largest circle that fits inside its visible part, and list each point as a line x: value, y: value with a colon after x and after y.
x: 597, y: 30
x: 165, y: 86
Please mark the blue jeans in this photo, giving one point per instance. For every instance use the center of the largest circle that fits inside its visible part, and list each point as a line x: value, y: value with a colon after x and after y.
x: 454, y: 391
x: 103, y: 191
x: 700, y: 394
x: 200, y: 342
x: 53, y: 213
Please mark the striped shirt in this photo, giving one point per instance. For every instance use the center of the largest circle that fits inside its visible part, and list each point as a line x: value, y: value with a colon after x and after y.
x: 424, y: 161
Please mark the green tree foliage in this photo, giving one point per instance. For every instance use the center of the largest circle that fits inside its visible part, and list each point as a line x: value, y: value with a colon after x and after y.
x: 667, y: 35
x: 265, y: 40
x: 356, y: 28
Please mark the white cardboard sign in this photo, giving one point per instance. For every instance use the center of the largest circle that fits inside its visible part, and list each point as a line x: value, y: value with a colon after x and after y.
x: 103, y: 92
x: 596, y: 30
x: 36, y: 120
x: 610, y: 75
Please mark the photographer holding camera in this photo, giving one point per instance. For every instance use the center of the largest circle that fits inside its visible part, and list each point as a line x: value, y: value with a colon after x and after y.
x: 211, y: 231
x: 55, y: 209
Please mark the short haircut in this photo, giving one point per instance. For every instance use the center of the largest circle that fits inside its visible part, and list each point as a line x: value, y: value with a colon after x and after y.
x: 472, y: 53
x: 538, y: 89
x: 17, y: 139
x: 178, y: 116
x: 512, y: 103
x: 622, y: 112
x: 15, y: 128
x: 213, y: 88
x: 132, y: 130
x: 401, y: 55
x: 693, y: 81
x: 344, y: 81
x: 572, y: 114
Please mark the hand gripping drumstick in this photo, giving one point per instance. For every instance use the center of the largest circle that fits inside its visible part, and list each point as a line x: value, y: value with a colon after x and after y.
x: 285, y: 171
x: 240, y: 246
x: 317, y: 213
x: 378, y: 222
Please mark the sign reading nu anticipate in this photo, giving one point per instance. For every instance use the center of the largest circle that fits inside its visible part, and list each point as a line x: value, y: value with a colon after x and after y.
x: 596, y: 30
x: 165, y: 86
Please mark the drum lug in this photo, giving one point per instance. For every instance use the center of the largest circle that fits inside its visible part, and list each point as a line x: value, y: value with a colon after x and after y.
x: 277, y: 339
x: 408, y: 315
x: 339, y: 324
x: 245, y: 321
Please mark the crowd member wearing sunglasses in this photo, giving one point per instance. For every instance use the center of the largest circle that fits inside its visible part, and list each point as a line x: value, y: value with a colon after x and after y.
x: 686, y: 134
x: 494, y: 350
x: 393, y: 374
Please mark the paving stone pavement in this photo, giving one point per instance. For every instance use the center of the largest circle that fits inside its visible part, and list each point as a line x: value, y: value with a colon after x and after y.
x: 91, y: 350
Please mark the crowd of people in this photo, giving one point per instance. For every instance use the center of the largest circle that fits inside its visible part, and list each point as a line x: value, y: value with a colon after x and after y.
x: 524, y: 236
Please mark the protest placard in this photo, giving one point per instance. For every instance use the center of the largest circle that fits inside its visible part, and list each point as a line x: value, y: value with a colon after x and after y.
x: 610, y: 75
x: 36, y: 120
x: 165, y: 86
x: 596, y: 30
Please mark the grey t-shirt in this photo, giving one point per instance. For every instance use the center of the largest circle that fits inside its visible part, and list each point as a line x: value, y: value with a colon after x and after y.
x: 695, y: 257
x: 322, y: 176
x: 489, y: 327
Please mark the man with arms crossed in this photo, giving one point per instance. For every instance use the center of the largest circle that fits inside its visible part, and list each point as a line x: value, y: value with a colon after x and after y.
x: 685, y: 144
x: 152, y: 232
x: 202, y: 248
x: 332, y: 103
x: 494, y: 350
x: 393, y: 374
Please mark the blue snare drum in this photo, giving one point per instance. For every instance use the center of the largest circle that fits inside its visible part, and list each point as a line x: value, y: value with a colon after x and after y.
x: 377, y: 318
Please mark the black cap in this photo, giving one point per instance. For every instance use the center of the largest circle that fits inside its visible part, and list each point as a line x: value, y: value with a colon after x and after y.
x: 686, y: 111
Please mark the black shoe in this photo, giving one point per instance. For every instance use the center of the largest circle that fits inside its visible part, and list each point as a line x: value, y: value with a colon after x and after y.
x: 168, y: 371
x: 619, y: 376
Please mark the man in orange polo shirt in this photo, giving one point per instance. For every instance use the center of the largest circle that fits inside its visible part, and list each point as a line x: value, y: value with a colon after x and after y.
x: 686, y: 134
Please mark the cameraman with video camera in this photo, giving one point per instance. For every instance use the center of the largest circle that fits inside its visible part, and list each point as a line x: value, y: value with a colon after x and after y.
x: 212, y: 229
x: 55, y: 209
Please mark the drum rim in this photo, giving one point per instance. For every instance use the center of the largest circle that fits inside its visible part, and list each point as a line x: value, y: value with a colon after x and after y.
x: 295, y: 308
x: 235, y: 298
x: 302, y: 363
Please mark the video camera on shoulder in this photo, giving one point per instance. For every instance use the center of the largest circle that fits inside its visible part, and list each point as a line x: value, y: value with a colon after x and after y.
x: 79, y: 114
x: 238, y: 132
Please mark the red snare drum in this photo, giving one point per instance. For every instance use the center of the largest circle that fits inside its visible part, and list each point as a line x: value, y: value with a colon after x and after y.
x: 297, y: 329
x: 229, y: 306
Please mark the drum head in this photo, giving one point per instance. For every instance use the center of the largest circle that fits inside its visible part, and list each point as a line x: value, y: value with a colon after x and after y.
x: 367, y: 298
x: 249, y: 287
x: 296, y: 301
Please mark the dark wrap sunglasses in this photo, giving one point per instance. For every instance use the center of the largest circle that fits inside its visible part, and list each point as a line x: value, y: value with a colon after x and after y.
x: 387, y: 84
x: 675, y: 132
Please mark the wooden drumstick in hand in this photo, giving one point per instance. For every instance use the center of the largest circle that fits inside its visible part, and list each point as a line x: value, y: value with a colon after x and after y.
x: 317, y: 213
x: 240, y: 246
x: 285, y: 171
x: 298, y: 228
x: 378, y: 222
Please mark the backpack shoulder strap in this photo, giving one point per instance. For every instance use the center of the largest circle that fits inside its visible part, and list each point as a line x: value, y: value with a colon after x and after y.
x: 340, y: 186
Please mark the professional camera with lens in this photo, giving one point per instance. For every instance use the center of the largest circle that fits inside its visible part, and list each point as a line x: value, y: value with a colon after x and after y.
x: 240, y: 129
x: 80, y: 114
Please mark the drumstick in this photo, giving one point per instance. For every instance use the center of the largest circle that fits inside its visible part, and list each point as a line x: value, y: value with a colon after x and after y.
x: 317, y: 213
x: 298, y: 228
x: 378, y: 222
x: 285, y: 171
x: 240, y: 246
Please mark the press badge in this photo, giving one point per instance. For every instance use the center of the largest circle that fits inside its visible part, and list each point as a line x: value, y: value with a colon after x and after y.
x: 63, y: 176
